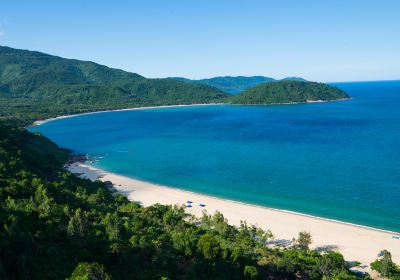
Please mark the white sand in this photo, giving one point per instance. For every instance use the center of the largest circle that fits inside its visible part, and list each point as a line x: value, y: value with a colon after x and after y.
x: 40, y: 122
x: 354, y: 242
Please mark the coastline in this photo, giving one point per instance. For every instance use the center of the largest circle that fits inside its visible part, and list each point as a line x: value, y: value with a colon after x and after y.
x: 40, y: 122
x: 355, y: 242
x: 292, y: 103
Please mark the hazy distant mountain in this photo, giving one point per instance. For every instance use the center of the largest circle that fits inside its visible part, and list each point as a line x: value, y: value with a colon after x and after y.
x: 228, y: 84
x: 234, y: 85
x: 298, y: 79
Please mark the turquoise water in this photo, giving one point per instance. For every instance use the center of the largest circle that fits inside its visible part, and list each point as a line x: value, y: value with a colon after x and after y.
x: 338, y: 160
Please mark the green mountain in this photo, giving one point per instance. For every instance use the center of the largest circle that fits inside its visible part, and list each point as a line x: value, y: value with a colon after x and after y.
x: 288, y: 92
x: 235, y: 85
x: 43, y: 85
x: 35, y: 85
x: 231, y: 85
x: 298, y: 79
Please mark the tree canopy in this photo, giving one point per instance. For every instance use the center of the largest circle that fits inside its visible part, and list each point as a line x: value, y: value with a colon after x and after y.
x: 288, y: 92
x: 35, y: 85
x: 54, y: 225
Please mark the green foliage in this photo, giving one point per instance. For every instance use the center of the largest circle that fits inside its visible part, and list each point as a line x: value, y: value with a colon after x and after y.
x: 304, y: 241
x: 234, y: 85
x: 287, y: 92
x: 231, y: 85
x: 385, y: 266
x: 35, y: 85
x: 250, y: 272
x: 89, y: 271
x: 54, y: 225
x: 209, y: 246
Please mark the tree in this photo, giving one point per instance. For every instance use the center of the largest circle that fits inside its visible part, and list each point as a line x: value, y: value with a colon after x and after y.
x: 385, y: 266
x: 89, y: 271
x: 331, y: 263
x: 208, y: 245
x: 304, y: 241
x: 250, y: 272
x: 78, y: 226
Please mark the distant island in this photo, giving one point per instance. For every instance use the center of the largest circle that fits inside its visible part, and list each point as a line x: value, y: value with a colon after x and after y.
x: 288, y: 92
x: 235, y: 85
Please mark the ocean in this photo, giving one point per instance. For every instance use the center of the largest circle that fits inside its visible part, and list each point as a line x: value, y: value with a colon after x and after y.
x: 338, y: 160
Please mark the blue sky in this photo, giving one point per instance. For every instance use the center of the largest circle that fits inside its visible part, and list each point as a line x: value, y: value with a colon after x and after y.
x: 340, y: 40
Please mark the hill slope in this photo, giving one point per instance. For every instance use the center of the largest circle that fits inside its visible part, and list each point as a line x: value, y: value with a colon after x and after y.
x: 54, y: 225
x: 228, y: 84
x: 45, y: 86
x: 288, y: 92
x: 235, y: 85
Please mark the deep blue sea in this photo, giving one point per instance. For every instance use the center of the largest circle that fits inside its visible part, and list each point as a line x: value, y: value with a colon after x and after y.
x: 338, y: 160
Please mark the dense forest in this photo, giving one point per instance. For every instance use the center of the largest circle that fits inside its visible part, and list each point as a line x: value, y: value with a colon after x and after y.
x: 288, y: 92
x: 35, y: 85
x: 55, y: 225
x: 234, y: 85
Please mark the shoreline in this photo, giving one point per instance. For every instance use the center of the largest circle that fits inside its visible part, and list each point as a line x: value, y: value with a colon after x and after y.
x: 89, y: 165
x: 355, y: 242
x: 40, y: 122
x: 292, y: 103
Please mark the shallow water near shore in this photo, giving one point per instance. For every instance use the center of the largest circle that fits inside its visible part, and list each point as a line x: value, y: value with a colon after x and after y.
x: 337, y: 160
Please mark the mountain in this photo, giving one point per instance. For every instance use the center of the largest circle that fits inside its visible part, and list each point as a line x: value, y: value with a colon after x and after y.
x: 35, y: 85
x: 298, y: 79
x: 45, y: 86
x: 288, y: 92
x: 234, y: 85
x: 231, y: 85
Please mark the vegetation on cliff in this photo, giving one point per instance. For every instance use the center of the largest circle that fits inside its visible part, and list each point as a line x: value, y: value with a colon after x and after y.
x: 35, y: 85
x: 54, y: 225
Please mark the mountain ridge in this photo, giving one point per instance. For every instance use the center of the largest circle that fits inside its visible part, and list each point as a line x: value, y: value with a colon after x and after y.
x: 236, y: 84
x: 48, y: 86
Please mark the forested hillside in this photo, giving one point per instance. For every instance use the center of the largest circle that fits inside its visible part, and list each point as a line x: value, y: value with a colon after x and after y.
x: 231, y: 85
x: 288, y: 92
x: 36, y: 85
x: 235, y: 85
x: 54, y: 225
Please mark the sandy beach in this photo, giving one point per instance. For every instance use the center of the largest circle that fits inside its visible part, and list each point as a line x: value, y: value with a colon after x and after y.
x: 356, y: 243
x: 40, y: 122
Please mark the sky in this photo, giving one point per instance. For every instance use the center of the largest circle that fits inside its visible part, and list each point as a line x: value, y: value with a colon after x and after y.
x: 326, y: 41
